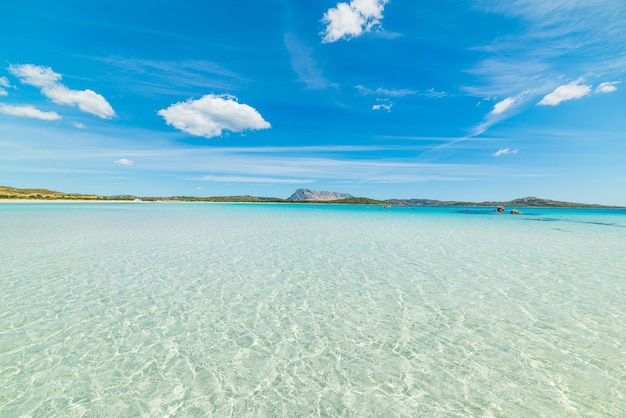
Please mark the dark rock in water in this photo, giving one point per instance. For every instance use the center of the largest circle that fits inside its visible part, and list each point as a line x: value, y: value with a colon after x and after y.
x: 516, y: 212
x: 308, y: 194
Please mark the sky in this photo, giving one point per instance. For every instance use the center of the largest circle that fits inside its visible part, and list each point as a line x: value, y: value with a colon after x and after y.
x: 438, y: 99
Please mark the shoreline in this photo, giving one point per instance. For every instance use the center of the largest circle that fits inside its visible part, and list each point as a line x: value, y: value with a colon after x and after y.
x: 64, y: 201
x: 12, y: 194
x: 295, y: 203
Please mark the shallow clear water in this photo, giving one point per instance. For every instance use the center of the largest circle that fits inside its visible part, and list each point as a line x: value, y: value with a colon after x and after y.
x: 131, y: 309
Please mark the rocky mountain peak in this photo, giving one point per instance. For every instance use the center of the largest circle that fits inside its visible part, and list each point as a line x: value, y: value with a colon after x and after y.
x: 308, y: 194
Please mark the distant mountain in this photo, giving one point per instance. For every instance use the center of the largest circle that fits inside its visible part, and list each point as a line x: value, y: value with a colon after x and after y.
x: 546, y: 203
x: 523, y: 202
x: 308, y: 194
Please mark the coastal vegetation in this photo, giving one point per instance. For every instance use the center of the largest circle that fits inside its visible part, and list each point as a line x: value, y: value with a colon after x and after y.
x: 12, y: 193
x: 43, y: 194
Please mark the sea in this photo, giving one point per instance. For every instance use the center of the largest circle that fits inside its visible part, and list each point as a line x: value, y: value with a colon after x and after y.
x: 301, y: 310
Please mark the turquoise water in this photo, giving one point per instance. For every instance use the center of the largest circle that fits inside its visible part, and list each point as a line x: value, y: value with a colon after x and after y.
x: 146, y: 309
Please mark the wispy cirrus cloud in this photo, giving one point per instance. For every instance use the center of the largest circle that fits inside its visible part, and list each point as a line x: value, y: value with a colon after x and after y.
x: 392, y: 164
x: 387, y: 92
x: 381, y: 91
x: 384, y: 93
x: 48, y: 81
x: 28, y: 111
x: 152, y: 77
x: 351, y: 20
x: 560, y: 39
x: 432, y: 92
x: 586, y: 34
x: 304, y: 65
x: 212, y: 114
x: 501, y: 110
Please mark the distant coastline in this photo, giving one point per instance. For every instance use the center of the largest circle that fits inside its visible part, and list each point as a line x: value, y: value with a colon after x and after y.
x: 12, y: 194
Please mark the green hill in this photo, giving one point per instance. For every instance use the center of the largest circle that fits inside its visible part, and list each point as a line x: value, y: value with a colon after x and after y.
x: 45, y: 194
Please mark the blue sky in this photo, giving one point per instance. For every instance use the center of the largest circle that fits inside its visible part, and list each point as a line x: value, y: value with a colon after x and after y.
x: 451, y: 100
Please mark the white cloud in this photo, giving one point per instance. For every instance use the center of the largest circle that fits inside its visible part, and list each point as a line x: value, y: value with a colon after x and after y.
x: 381, y: 91
x: 607, y: 87
x: 35, y: 75
x: 79, y: 125
x: 503, y: 106
x: 210, y: 115
x: 124, y: 161
x: 505, y: 151
x: 29, y: 112
x: 352, y: 20
x: 501, y: 110
x: 558, y: 38
x: 383, y: 106
x: 3, y: 92
x: 570, y: 91
x: 86, y: 100
x: 48, y: 81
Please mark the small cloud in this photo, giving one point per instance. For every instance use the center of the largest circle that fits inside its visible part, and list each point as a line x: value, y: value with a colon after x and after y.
x: 570, y: 91
x: 3, y: 92
x: 47, y: 80
x: 124, y: 161
x: 505, y: 151
x: 29, y: 112
x: 79, y: 125
x: 607, y: 87
x: 351, y: 20
x: 212, y: 114
x: 380, y: 91
x: 501, y: 110
x: 503, y: 106
x: 387, y: 105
